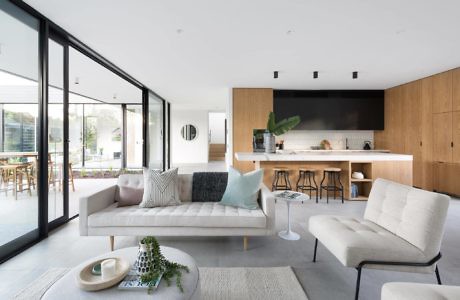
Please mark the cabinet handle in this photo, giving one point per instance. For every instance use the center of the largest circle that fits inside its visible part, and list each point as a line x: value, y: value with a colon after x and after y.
x: 421, y: 143
x: 452, y: 144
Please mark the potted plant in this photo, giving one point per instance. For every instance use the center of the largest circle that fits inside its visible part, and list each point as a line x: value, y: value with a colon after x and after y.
x: 277, y: 128
x: 151, y: 264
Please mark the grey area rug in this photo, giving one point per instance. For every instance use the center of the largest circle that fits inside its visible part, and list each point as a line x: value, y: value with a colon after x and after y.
x: 216, y: 283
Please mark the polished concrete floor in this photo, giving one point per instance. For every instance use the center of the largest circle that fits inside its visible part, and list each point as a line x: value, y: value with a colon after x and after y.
x: 327, y: 279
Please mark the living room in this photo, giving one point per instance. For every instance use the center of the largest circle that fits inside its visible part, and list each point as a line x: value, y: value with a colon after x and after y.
x: 229, y: 150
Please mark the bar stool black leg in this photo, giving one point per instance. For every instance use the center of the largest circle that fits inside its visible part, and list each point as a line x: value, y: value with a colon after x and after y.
x: 327, y: 187
x: 316, y: 187
x: 321, y: 186
x: 341, y: 187
x: 298, y: 180
x: 275, y: 180
x: 309, y: 183
x: 335, y: 184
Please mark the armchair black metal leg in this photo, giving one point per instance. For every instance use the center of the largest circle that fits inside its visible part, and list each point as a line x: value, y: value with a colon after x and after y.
x: 358, y: 281
x: 438, y: 277
x: 316, y: 247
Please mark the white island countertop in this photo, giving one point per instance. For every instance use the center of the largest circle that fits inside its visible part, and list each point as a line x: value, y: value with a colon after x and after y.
x: 323, y: 155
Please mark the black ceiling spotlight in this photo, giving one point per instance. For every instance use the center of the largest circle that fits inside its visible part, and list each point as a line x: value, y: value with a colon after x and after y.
x: 275, y: 74
x: 315, y: 74
x: 355, y: 75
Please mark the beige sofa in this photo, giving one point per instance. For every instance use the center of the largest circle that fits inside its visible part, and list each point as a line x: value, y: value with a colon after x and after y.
x: 402, y: 230
x: 101, y: 216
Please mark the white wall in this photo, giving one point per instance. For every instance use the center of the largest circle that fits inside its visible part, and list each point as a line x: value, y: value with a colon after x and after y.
x: 217, y: 127
x: 189, y: 152
x: 304, y: 139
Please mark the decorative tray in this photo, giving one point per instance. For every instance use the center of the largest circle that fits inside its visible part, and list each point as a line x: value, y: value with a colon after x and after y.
x: 89, y: 282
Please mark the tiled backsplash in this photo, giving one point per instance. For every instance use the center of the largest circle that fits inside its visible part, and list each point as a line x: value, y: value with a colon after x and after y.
x: 304, y: 139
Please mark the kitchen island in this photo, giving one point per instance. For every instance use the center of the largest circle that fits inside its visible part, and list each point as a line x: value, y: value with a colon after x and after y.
x: 373, y: 164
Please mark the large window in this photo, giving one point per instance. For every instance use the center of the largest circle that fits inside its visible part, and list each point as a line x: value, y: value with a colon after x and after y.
x: 155, y: 142
x: 18, y: 128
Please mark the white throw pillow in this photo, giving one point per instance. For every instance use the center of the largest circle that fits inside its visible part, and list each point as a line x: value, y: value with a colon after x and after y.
x: 160, y: 188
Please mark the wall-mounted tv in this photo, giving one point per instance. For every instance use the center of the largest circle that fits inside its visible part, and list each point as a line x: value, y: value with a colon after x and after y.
x: 332, y: 109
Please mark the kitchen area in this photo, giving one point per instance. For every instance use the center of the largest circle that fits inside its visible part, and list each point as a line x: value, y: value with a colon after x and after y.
x: 315, y: 146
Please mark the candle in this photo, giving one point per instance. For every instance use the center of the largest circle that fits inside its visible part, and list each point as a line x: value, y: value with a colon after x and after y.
x: 108, y: 268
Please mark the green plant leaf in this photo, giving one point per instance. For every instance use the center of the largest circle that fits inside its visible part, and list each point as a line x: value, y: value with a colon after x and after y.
x: 271, y: 122
x: 285, y: 125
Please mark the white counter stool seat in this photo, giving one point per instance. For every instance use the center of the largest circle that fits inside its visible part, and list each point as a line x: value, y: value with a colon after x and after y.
x: 333, y: 183
x: 419, y: 291
x: 281, y: 179
x: 401, y: 230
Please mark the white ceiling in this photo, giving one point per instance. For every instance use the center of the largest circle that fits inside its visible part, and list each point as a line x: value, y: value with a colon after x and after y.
x: 239, y: 43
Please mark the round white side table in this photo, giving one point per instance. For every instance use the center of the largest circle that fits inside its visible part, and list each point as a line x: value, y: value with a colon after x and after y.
x: 285, y: 196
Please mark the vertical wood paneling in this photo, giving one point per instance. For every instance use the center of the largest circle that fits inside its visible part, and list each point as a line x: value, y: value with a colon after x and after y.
x: 442, y: 92
x: 250, y: 111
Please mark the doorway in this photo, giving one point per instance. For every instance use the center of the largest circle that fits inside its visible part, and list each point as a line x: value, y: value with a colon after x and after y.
x: 217, y: 137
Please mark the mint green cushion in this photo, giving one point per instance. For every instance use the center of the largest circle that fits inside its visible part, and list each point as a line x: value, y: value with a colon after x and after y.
x: 242, y: 189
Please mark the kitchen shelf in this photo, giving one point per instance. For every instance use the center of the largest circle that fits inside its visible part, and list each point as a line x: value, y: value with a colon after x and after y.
x: 359, y: 198
x: 361, y: 180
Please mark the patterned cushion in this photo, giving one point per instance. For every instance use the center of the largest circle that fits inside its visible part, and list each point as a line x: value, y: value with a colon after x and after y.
x: 209, y: 186
x: 160, y: 188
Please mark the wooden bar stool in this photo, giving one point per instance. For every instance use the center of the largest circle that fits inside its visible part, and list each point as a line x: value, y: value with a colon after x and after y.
x: 281, y: 175
x: 304, y: 183
x: 333, y: 183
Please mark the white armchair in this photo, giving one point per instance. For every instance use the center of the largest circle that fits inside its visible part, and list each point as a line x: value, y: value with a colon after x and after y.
x: 401, y: 230
x: 419, y: 291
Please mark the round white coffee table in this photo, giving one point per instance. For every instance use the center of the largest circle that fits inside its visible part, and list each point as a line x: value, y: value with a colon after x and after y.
x: 288, y: 196
x: 66, y: 287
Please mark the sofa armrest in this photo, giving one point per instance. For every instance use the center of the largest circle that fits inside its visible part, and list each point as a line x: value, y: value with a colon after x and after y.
x: 95, y: 202
x: 267, y: 203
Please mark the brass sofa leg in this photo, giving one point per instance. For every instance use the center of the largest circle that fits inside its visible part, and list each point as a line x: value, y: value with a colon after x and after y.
x: 245, y: 243
x: 112, y: 242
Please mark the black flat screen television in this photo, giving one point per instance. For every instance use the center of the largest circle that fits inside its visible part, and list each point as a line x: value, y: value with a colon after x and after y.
x: 332, y: 109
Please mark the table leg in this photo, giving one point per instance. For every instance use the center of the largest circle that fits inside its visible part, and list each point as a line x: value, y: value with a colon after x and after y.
x: 288, y: 234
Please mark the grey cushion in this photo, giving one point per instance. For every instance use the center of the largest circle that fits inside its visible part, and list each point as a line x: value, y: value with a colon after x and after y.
x: 129, y: 196
x: 209, y: 186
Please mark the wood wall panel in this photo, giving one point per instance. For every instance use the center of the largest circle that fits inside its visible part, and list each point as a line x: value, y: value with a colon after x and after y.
x: 442, y: 92
x: 446, y: 178
x: 250, y: 111
x: 456, y: 89
x: 442, y: 137
x: 427, y: 134
x: 456, y: 136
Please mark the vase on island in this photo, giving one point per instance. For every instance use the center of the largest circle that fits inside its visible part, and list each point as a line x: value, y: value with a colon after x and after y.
x: 269, y: 142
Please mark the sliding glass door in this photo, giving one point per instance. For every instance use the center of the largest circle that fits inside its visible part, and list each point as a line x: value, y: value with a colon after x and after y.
x: 155, y: 132
x: 19, y: 130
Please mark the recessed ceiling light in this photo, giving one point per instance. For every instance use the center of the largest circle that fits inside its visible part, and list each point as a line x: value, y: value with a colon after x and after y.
x: 179, y: 31
x: 355, y: 75
x: 315, y: 74
x: 289, y: 32
x: 77, y: 80
x: 114, y: 96
x: 275, y: 74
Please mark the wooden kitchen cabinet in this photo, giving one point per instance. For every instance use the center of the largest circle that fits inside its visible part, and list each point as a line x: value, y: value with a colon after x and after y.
x: 442, y: 92
x: 456, y: 89
x: 251, y: 107
x: 442, y: 137
x: 456, y: 137
x: 426, y: 93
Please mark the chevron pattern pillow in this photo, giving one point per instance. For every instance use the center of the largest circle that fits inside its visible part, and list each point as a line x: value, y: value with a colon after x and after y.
x: 160, y: 188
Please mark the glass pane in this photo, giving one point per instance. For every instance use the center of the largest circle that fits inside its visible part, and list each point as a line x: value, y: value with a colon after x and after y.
x: 155, y: 143
x: 134, y: 136
x: 18, y: 120
x: 55, y: 131
x: 96, y: 98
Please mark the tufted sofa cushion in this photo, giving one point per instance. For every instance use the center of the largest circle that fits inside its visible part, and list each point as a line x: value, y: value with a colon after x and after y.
x: 415, y: 215
x: 419, y: 291
x: 136, y: 181
x: 194, y: 214
x: 353, y: 240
